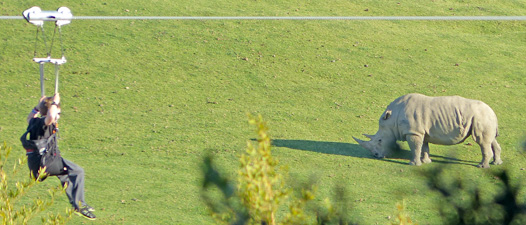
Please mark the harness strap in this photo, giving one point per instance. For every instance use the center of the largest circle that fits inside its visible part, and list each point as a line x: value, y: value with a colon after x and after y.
x: 32, y: 147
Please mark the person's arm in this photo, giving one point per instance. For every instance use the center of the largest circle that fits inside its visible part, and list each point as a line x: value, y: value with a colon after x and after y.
x: 52, y: 113
x: 34, y: 113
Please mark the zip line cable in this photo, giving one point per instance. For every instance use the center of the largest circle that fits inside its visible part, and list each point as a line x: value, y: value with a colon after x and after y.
x: 428, y: 18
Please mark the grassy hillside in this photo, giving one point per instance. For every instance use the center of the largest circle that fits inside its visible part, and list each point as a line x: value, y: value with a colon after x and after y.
x: 144, y: 101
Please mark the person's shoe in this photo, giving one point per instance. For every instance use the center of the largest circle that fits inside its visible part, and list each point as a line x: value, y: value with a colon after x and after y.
x: 85, y: 212
x: 91, y: 209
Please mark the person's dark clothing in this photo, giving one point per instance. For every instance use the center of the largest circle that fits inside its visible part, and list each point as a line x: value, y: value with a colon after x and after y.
x: 74, y: 174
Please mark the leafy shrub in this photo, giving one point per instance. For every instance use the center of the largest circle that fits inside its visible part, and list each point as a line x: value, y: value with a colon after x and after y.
x: 261, y: 190
x: 260, y: 187
x: 10, y: 213
x: 504, y: 208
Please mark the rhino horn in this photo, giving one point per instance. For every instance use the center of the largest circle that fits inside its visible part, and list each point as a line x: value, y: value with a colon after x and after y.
x: 368, y: 136
x: 364, y: 144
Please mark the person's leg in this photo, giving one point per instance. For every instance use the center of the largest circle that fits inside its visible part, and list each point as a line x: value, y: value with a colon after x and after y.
x: 75, y: 189
x: 75, y: 180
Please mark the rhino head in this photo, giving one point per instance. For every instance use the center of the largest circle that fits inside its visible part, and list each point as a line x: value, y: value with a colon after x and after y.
x: 383, y: 142
x: 379, y: 146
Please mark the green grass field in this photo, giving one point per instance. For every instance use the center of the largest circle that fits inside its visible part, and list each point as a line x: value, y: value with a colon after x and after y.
x: 145, y: 100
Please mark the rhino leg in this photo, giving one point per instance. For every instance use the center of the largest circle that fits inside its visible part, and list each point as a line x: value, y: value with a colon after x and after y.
x: 496, y: 153
x: 415, y: 143
x: 425, y: 153
x: 487, y: 154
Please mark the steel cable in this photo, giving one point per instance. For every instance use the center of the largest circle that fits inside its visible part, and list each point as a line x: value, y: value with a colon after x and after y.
x: 429, y: 18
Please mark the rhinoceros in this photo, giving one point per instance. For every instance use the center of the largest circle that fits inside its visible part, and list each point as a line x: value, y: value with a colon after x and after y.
x: 445, y: 120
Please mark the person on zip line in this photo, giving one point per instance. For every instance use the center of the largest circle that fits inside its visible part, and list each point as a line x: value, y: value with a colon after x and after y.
x: 71, y: 175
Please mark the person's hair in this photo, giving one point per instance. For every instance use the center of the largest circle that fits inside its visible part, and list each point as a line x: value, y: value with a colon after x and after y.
x: 44, y: 105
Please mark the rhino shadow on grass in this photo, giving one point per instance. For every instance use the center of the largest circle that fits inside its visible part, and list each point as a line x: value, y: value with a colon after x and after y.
x: 355, y: 150
x: 332, y: 148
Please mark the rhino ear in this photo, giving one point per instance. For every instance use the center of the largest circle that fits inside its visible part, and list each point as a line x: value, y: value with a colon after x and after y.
x: 387, y: 114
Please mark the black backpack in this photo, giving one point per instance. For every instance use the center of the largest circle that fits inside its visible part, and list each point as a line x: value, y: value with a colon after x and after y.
x: 48, y: 149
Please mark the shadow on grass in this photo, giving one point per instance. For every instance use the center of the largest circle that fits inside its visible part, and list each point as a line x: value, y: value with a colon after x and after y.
x: 355, y: 150
x: 332, y: 148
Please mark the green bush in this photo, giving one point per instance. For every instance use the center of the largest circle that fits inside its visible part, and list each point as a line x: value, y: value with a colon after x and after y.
x: 464, y: 204
x: 10, y: 212
x: 261, y: 190
x: 260, y: 187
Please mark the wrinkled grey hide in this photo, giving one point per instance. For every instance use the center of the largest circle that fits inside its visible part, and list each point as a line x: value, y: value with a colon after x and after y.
x: 447, y: 120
